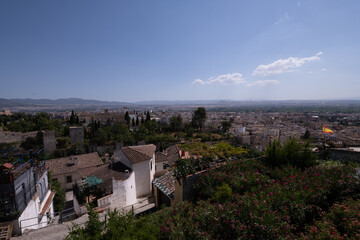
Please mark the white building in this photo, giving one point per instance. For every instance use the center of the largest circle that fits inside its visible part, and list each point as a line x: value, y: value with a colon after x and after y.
x: 66, y: 169
x: 25, y: 189
x: 141, y: 159
x: 117, y: 184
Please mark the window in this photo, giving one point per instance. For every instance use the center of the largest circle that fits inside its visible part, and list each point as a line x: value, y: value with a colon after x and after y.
x: 151, y: 165
x: 68, y: 179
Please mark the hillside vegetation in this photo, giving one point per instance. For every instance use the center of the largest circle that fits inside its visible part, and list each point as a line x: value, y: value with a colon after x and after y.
x: 251, y: 199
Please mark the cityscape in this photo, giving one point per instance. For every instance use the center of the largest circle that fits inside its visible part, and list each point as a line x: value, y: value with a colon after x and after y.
x: 179, y: 120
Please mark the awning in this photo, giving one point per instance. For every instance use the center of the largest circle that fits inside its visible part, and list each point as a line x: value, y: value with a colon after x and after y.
x: 93, y: 181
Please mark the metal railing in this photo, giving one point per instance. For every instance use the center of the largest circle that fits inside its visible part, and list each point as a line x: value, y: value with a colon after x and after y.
x: 52, y: 219
x: 69, y: 214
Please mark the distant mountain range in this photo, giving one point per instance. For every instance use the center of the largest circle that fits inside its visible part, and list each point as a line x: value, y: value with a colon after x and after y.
x: 84, y: 103
x: 10, y: 103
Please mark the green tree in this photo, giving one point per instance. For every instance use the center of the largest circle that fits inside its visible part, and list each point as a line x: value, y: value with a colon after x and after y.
x: 137, y: 120
x: 183, y: 168
x: 225, y: 126
x: 189, y: 130
x: 93, y: 228
x: 127, y: 118
x: 72, y: 118
x: 59, y: 198
x: 100, y: 137
x: 199, y: 118
x: 306, y: 134
x: 176, y: 123
x: 32, y: 143
x: 120, y: 132
x: 291, y: 153
x: 133, y: 122
x: 62, y: 142
x: 120, y: 225
x: 148, y: 118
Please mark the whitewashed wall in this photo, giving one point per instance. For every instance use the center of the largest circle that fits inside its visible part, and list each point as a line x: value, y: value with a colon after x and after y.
x: 124, y: 192
x: 144, y: 174
x: 152, y: 171
x: 28, y: 219
x: 159, y: 166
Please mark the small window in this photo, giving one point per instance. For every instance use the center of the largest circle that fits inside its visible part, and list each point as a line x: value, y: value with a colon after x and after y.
x: 68, y: 179
x: 150, y: 165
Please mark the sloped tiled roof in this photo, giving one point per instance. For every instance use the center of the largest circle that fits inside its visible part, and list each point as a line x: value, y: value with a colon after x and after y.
x: 171, y: 155
x: 66, y: 164
x: 47, y: 203
x: 160, y: 157
x: 138, y: 154
x: 105, y: 173
x: 166, y: 183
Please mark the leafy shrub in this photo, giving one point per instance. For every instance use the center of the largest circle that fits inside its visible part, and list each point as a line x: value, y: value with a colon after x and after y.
x: 341, y: 222
x: 223, y: 193
x: 246, y: 199
x: 183, y: 168
x: 291, y: 153
x: 60, y: 194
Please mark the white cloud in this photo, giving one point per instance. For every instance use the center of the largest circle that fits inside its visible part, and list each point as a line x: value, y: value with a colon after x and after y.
x: 198, y: 81
x: 282, y: 19
x: 323, y: 69
x: 283, y: 65
x: 263, y: 83
x: 226, y: 79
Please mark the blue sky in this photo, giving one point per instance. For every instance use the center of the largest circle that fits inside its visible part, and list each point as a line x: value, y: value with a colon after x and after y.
x: 180, y: 50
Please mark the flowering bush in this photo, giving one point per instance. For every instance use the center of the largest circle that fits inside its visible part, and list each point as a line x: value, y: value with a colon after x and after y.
x: 341, y: 222
x: 266, y: 203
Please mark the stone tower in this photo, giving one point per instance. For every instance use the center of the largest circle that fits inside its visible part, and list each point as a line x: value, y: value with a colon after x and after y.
x: 76, y: 135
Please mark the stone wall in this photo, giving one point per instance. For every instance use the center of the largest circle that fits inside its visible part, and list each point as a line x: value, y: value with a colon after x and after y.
x: 345, y: 155
x: 76, y: 135
x: 13, y: 137
x: 49, y: 141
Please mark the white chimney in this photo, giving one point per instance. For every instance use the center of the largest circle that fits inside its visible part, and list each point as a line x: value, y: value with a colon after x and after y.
x: 75, y: 160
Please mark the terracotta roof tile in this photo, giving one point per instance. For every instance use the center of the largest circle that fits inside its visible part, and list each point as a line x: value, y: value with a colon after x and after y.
x: 141, y: 153
x: 166, y: 183
x: 47, y: 203
x: 171, y: 155
x: 66, y: 164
